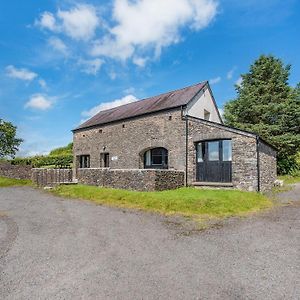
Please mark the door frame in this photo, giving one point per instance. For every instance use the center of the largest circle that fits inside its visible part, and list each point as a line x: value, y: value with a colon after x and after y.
x: 219, y: 171
x: 104, y: 160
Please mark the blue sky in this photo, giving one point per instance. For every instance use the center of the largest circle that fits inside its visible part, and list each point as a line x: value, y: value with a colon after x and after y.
x: 62, y: 61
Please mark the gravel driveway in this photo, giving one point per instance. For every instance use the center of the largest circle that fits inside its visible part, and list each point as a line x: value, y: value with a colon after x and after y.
x: 51, y: 248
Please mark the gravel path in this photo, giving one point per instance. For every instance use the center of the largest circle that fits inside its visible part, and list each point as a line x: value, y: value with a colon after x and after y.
x: 51, y: 248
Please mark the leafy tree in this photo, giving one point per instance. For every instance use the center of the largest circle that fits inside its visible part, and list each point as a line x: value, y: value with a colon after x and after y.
x: 8, y: 142
x: 268, y: 106
x: 58, y: 158
x: 67, y: 150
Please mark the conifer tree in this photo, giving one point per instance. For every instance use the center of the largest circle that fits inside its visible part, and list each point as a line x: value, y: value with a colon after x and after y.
x: 267, y: 105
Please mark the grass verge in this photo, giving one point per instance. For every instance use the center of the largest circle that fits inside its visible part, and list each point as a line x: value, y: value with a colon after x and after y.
x: 189, y: 202
x: 288, y: 179
x: 6, y: 182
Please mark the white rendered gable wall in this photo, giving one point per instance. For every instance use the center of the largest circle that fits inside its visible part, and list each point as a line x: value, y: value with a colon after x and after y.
x: 204, y: 102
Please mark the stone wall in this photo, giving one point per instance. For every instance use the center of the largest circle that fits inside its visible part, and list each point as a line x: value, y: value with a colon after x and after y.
x: 132, y: 179
x: 244, y: 152
x: 51, y: 177
x: 267, y: 167
x: 127, y: 141
x: 15, y: 171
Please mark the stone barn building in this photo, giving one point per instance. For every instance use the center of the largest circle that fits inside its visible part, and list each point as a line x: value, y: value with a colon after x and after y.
x: 173, y: 139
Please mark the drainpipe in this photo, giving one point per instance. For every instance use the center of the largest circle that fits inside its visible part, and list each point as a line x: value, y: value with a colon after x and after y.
x: 186, y: 149
x: 258, y: 164
x: 185, y: 118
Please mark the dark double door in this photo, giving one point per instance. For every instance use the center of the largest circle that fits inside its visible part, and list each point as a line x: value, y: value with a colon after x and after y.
x: 214, y: 161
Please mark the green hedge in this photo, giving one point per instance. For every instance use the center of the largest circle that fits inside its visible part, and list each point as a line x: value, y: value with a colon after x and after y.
x: 61, y: 161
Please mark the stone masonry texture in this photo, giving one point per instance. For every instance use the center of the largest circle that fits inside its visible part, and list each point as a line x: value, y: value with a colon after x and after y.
x: 127, y: 141
x: 138, y: 179
x: 51, y: 177
x: 267, y: 167
x: 15, y: 171
x: 244, y: 154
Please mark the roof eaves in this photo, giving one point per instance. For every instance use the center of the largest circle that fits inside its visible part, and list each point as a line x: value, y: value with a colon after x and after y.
x: 267, y: 143
x: 237, y: 130
x: 126, y: 119
x: 203, y: 84
x: 233, y: 129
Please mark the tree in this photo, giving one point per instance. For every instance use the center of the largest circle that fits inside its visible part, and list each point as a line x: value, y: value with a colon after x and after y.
x: 268, y: 106
x: 8, y: 142
x: 67, y: 150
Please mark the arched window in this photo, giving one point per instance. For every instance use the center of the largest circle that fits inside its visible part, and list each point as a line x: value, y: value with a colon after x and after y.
x: 156, y: 158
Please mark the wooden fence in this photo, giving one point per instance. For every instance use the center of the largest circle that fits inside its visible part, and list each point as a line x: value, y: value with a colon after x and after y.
x: 51, y: 177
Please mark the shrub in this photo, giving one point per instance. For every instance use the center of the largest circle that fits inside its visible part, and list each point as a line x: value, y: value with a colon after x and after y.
x: 61, y: 161
x: 288, y: 165
x: 67, y: 150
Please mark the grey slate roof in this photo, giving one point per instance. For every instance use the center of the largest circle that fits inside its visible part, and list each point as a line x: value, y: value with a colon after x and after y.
x: 164, y: 101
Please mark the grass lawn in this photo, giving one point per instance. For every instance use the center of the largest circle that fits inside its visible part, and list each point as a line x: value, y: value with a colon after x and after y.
x: 288, y: 179
x: 6, y: 182
x: 190, y: 202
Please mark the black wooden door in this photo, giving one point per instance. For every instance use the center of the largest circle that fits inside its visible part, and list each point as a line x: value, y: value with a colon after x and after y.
x: 214, y: 161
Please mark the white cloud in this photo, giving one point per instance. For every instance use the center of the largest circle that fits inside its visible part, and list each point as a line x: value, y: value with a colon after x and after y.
x: 91, y: 66
x: 23, y: 74
x: 230, y: 73
x: 136, y: 30
x: 215, y: 80
x: 80, y: 22
x: 204, y: 12
x: 239, y: 81
x: 47, y: 20
x: 25, y: 152
x: 42, y: 83
x: 58, y: 45
x: 112, y: 75
x: 36, y: 142
x: 130, y: 90
x: 140, y: 61
x: 107, y: 105
x: 139, y: 25
x: 110, y: 48
x: 39, y: 102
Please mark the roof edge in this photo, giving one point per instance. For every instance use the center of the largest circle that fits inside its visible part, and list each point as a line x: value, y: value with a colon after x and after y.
x: 212, y: 96
x: 126, y: 119
x: 237, y: 130
x: 234, y: 129
x: 176, y: 90
x: 214, y: 101
x: 205, y: 84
